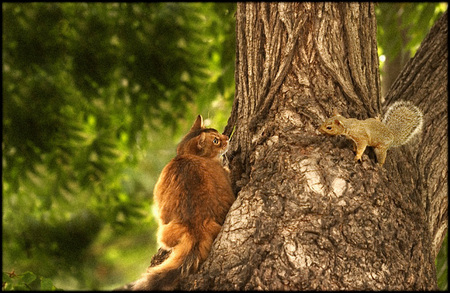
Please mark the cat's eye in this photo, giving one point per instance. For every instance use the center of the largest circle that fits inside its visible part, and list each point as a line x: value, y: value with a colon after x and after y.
x: 215, y: 141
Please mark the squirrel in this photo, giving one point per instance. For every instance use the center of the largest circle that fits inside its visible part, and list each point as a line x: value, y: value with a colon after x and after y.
x: 193, y: 195
x: 400, y: 124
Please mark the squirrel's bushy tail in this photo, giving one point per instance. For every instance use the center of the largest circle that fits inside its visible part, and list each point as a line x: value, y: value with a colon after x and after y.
x: 404, y: 120
x: 183, y: 258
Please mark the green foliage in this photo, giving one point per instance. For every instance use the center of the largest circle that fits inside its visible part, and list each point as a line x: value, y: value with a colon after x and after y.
x: 95, y: 98
x: 402, y: 26
x: 26, y: 282
x: 80, y: 75
x: 442, y: 265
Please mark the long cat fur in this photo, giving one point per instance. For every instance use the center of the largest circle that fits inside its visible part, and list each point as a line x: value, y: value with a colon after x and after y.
x: 193, y: 195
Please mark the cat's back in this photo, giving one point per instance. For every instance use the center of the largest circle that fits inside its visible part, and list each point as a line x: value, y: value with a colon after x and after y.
x: 193, y: 173
x: 192, y: 185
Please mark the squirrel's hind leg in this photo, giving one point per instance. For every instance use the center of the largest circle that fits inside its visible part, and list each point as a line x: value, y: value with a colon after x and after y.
x: 381, y: 153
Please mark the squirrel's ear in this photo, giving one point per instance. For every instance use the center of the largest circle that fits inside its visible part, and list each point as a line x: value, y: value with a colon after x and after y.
x: 335, y: 112
x: 198, y: 124
x: 337, y: 122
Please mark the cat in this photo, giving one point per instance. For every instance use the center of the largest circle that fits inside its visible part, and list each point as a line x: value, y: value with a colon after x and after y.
x: 193, y: 195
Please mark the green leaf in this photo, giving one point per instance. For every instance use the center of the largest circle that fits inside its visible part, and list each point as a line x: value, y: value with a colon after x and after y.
x: 20, y: 287
x: 47, y: 284
x: 6, y: 278
x: 442, y: 266
x: 28, y: 277
x: 8, y: 287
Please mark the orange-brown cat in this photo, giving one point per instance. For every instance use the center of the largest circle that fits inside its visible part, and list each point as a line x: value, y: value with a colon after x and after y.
x: 193, y: 195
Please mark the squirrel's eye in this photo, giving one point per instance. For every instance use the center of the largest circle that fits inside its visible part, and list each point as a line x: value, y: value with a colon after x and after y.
x: 215, y: 141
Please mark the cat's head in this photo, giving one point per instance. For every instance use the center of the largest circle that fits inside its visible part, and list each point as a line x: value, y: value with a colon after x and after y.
x: 203, y: 142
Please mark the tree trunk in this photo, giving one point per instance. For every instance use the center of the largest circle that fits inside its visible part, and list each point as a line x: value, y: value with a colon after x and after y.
x: 307, y: 217
x: 424, y: 82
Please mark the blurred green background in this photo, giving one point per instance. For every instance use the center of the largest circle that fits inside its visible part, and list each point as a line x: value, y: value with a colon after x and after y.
x: 96, y: 97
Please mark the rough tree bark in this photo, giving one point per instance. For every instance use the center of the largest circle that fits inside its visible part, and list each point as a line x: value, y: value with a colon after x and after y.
x: 306, y: 215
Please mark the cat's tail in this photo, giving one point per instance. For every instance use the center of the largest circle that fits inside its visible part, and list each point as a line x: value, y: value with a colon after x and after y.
x: 183, y: 259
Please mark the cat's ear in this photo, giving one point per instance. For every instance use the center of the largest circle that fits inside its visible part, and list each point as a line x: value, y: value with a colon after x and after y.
x: 201, y: 140
x: 198, y: 124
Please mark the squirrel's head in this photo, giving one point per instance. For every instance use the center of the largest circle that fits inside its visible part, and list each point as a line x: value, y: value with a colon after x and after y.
x: 333, y: 126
